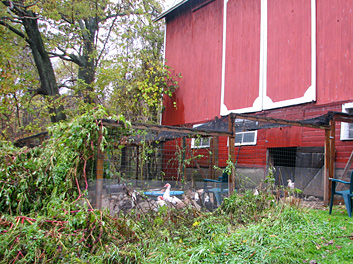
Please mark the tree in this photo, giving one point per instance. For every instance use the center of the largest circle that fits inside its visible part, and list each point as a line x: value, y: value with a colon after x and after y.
x: 19, y: 13
x: 86, y: 31
x: 107, y: 49
x: 18, y: 112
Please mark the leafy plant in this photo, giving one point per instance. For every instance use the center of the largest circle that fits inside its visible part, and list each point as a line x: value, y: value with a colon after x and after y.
x: 29, y: 177
x: 246, y: 207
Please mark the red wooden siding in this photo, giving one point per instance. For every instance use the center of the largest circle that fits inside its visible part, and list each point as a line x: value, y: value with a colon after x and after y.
x: 334, y: 50
x: 242, y: 53
x: 288, y: 49
x: 194, y: 48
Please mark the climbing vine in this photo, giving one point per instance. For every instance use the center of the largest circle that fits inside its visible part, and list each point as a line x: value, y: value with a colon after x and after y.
x: 29, y: 177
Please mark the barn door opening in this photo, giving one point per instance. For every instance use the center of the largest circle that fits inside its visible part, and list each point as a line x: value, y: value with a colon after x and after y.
x: 283, y: 160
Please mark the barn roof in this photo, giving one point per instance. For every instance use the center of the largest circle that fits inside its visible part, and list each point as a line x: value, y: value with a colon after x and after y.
x: 168, y: 11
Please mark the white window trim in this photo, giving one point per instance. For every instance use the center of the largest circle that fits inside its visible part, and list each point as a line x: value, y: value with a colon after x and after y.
x: 240, y: 120
x: 193, y: 145
x: 247, y: 143
x: 344, y: 125
x: 263, y: 102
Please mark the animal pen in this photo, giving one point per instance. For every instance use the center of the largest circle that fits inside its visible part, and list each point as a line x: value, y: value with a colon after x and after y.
x: 227, y: 154
x: 188, y: 158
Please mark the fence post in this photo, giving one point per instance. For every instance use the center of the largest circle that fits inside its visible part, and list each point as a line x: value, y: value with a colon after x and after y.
x: 99, y: 173
x: 329, y: 160
x: 231, y: 150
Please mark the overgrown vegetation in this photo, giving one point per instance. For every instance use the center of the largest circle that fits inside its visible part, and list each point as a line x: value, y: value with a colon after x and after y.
x: 46, y: 218
x: 30, y: 178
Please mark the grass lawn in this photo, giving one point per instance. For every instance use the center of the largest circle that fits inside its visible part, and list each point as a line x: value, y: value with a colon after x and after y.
x: 290, y: 235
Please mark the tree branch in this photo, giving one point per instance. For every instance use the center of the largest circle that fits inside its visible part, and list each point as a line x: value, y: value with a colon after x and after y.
x: 119, y: 15
x: 66, y: 19
x: 30, y: 5
x: 19, y: 10
x: 14, y: 30
x: 67, y: 57
x: 11, y: 19
x: 63, y: 85
x: 106, y: 41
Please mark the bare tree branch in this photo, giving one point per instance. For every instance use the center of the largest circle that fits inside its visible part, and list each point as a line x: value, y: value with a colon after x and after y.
x: 106, y: 41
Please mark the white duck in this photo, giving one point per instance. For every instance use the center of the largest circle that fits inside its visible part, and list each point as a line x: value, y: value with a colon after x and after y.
x: 290, y: 184
x: 160, y: 201
x: 291, y: 187
x: 173, y: 200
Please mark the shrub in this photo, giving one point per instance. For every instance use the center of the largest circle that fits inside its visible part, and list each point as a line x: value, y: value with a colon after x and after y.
x: 246, y: 207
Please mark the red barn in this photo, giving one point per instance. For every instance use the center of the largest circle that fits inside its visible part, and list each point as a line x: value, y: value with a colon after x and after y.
x: 278, y: 58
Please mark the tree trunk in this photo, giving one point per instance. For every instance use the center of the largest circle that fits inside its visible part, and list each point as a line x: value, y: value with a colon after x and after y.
x: 87, y: 71
x: 48, y: 85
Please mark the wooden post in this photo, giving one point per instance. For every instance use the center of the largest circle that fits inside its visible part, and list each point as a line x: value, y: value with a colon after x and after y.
x: 329, y: 160
x: 231, y: 149
x: 137, y: 162
x: 214, y: 156
x: 41, y: 139
x: 99, y: 175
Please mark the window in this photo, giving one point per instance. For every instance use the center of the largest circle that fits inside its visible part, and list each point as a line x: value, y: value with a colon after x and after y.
x: 245, y: 137
x: 347, y: 128
x: 200, y: 142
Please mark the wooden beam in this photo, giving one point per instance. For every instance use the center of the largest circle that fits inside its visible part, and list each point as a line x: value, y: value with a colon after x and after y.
x: 329, y: 160
x: 279, y: 121
x: 231, y: 150
x: 174, y: 129
x: 214, y: 157
x: 99, y: 174
x: 343, y: 117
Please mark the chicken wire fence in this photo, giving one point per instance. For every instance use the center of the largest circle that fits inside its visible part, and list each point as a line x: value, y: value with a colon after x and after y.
x: 143, y: 164
x: 146, y: 160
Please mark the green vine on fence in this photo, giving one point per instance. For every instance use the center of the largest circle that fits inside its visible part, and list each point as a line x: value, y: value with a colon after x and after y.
x: 29, y: 177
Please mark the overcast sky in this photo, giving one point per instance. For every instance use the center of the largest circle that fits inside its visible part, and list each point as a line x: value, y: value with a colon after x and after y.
x: 169, y: 3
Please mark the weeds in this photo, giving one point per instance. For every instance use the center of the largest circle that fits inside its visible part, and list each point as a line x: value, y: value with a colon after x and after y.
x: 46, y: 219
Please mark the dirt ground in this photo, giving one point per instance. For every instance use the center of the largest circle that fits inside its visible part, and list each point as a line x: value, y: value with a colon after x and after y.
x: 313, y: 204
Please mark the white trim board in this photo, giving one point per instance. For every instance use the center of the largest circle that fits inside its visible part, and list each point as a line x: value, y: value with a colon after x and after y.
x: 263, y: 102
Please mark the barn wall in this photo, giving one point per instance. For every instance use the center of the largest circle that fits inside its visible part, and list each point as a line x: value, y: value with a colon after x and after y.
x: 194, y: 48
x: 242, y: 54
x: 334, y: 51
x: 288, y: 49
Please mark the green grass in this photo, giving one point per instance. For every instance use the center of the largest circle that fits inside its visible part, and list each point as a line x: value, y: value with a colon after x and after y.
x: 286, y: 235
x: 279, y: 234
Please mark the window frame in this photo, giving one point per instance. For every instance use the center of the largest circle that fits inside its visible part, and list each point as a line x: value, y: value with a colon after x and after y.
x: 194, y: 146
x: 202, y: 145
x: 344, y: 125
x: 242, y: 143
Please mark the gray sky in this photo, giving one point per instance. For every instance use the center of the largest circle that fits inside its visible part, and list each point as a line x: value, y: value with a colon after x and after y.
x: 169, y: 3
